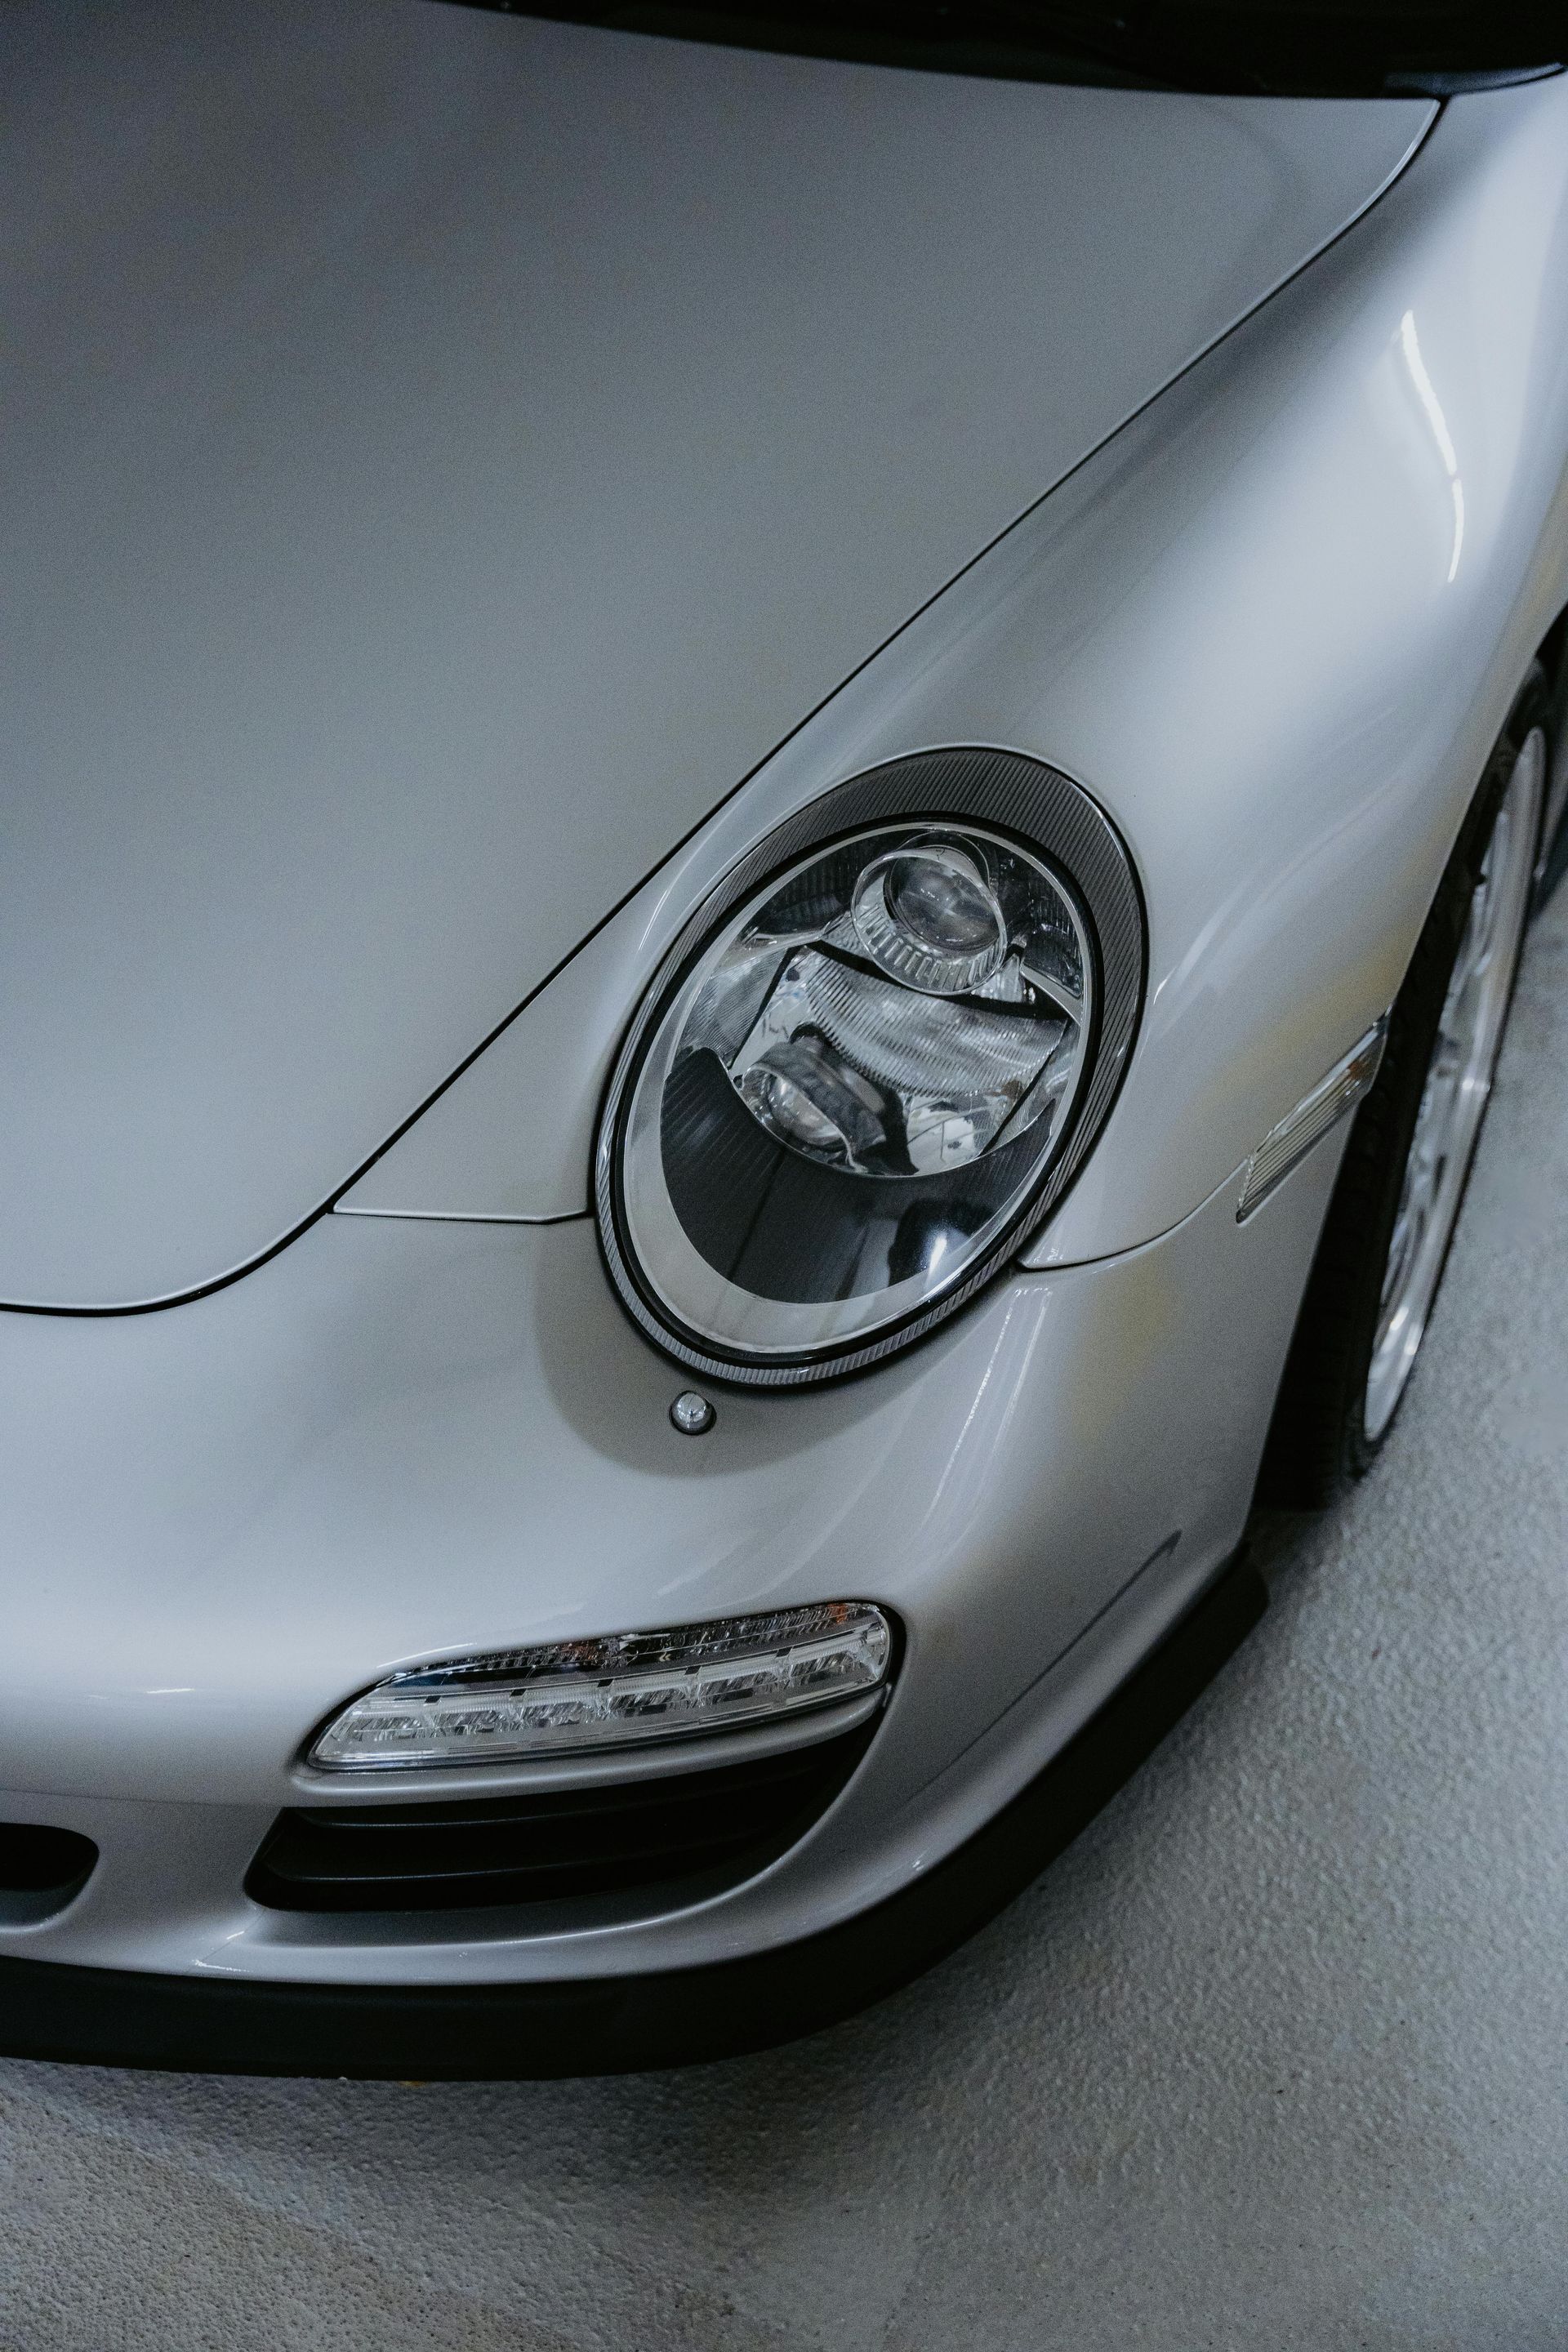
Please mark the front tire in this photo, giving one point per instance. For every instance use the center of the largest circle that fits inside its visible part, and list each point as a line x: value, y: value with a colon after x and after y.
x: 1386, y: 1238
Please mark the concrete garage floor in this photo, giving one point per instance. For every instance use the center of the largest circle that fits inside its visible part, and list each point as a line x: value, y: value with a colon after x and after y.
x: 1276, y: 2056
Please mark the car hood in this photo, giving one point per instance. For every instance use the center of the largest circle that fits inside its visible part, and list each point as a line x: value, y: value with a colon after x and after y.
x: 445, y: 454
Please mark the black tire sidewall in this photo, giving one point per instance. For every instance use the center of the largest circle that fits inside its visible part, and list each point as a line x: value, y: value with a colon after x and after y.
x: 1317, y: 1444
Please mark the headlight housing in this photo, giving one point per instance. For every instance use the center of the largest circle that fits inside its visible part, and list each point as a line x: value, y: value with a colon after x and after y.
x: 868, y: 1067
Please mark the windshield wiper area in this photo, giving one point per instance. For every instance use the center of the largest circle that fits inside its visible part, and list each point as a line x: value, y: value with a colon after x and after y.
x: 1297, y: 49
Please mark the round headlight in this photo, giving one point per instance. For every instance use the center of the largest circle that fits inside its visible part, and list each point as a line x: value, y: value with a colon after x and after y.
x: 868, y: 1067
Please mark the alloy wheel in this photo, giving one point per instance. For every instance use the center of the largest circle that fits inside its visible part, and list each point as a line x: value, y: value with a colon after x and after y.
x: 1459, y: 1082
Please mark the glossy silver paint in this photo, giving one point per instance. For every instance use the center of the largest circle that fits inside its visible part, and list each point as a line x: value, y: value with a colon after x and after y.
x: 400, y: 1441
x: 1272, y: 625
x: 1252, y: 626
x: 444, y: 457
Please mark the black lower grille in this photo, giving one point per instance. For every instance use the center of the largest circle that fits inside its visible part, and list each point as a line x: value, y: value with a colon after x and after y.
x: 696, y: 1832
x: 41, y: 1870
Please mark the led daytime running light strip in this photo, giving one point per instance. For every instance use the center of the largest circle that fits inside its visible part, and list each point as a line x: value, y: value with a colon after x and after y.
x: 623, y: 1690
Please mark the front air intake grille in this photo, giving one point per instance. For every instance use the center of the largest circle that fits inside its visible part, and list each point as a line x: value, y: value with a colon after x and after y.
x: 41, y: 1870
x: 683, y: 1834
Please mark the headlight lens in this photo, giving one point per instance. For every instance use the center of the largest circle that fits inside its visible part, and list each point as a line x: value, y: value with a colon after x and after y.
x: 841, y: 1104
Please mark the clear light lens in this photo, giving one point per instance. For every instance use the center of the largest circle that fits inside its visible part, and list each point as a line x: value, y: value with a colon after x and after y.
x: 929, y: 917
x: 856, y: 1085
x: 625, y: 1689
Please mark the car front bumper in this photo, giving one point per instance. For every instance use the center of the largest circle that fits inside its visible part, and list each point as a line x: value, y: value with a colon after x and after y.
x: 401, y: 1440
x: 661, y: 2017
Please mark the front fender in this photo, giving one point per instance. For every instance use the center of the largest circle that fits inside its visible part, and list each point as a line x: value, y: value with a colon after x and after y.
x: 1273, y: 625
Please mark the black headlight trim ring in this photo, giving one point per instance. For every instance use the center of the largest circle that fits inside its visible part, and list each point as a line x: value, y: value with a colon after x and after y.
x: 1017, y: 794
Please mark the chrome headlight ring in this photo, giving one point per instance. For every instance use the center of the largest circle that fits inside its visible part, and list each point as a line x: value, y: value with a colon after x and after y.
x: 780, y: 1067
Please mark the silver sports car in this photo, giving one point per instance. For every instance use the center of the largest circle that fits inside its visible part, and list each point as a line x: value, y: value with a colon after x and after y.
x: 767, y: 804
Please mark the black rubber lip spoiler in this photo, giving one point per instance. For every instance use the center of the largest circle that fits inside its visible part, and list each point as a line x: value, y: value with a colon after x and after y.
x: 611, y: 2025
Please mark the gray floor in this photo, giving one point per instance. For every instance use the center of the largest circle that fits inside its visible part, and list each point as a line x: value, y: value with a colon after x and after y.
x: 1278, y: 2056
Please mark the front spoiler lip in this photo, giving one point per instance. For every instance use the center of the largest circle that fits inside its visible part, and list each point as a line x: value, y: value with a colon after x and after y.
x: 675, y: 2017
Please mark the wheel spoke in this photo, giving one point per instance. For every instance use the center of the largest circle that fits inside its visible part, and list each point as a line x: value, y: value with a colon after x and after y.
x: 1458, y: 1080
